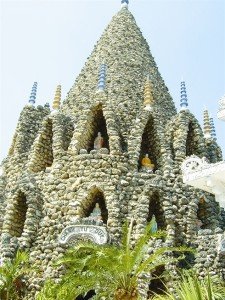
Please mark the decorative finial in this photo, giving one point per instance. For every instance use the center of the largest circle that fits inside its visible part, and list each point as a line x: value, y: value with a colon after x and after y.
x: 33, y: 94
x: 206, y: 125
x: 57, y: 99
x: 47, y: 105
x: 124, y: 3
x: 213, y: 130
x: 183, y: 99
x: 148, y: 97
x: 102, y: 77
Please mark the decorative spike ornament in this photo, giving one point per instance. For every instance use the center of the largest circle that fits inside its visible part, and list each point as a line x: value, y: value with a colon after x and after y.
x: 206, y: 125
x: 102, y: 77
x: 183, y: 96
x: 33, y: 94
x: 57, y: 99
x: 148, y: 97
x: 124, y: 3
x: 213, y: 130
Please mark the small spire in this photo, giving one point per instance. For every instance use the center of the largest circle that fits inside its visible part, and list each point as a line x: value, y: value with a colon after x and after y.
x: 102, y: 77
x: 57, y: 99
x: 206, y: 125
x: 148, y: 97
x: 213, y: 130
x: 33, y: 94
x: 183, y: 96
x: 124, y: 3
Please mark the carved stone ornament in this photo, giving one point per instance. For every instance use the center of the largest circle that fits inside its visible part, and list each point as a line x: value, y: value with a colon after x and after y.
x: 83, y: 232
x: 193, y: 163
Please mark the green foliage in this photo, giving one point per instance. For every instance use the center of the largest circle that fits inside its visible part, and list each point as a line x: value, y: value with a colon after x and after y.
x: 192, y: 288
x: 11, y: 277
x: 108, y: 269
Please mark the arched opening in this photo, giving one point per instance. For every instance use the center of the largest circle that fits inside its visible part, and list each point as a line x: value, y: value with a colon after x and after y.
x: 194, y: 140
x: 19, y: 214
x: 88, y: 295
x: 149, y: 144
x: 95, y: 206
x: 68, y: 134
x: 190, y: 140
x: 202, y: 215
x: 156, y: 210
x: 157, y: 285
x: 43, y: 151
x: 98, y: 124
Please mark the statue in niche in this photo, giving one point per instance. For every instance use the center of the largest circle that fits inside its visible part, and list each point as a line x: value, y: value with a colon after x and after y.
x: 198, y: 224
x: 96, y: 213
x: 146, y: 164
x: 154, y: 225
x: 99, y: 141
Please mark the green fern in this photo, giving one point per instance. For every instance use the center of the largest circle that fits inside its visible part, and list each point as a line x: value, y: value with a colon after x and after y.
x: 11, y: 276
x: 111, y: 270
x: 190, y: 287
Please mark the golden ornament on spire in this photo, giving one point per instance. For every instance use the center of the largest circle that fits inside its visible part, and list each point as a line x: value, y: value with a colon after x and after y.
x: 148, y: 98
x: 57, y: 99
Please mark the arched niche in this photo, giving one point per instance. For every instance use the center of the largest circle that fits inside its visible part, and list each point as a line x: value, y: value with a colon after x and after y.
x: 19, y: 212
x: 96, y: 196
x: 68, y: 134
x: 89, y: 295
x: 149, y: 143
x: 202, y: 214
x: 190, y: 140
x: 156, y: 210
x: 157, y: 284
x: 42, y: 154
x: 194, y: 141
x: 97, y: 124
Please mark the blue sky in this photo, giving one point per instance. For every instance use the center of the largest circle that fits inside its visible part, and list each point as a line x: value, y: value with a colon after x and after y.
x: 49, y: 41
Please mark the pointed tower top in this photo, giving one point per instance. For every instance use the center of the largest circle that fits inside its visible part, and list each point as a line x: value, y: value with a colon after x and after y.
x: 213, y: 130
x: 124, y: 3
x: 33, y: 94
x: 206, y: 125
x: 183, y: 96
x: 57, y: 99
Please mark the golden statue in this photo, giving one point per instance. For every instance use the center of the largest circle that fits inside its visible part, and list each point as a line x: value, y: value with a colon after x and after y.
x: 147, y: 164
x: 99, y: 141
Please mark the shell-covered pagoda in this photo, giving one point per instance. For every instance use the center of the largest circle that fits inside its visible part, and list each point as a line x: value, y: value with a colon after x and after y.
x: 111, y: 151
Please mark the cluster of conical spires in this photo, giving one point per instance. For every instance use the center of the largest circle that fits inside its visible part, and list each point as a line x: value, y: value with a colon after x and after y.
x: 208, y: 126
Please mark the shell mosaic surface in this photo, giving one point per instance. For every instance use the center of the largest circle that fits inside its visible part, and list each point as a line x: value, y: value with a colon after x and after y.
x: 53, y: 176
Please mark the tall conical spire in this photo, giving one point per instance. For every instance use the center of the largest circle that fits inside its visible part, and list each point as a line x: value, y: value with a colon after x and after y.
x: 206, y: 125
x: 33, y: 94
x: 213, y: 130
x: 57, y: 99
x: 126, y: 54
x: 183, y: 99
x: 102, y: 77
x: 148, y: 97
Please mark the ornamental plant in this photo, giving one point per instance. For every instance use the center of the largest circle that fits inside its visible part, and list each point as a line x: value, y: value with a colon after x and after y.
x: 12, y: 285
x: 112, y: 271
x: 190, y: 287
